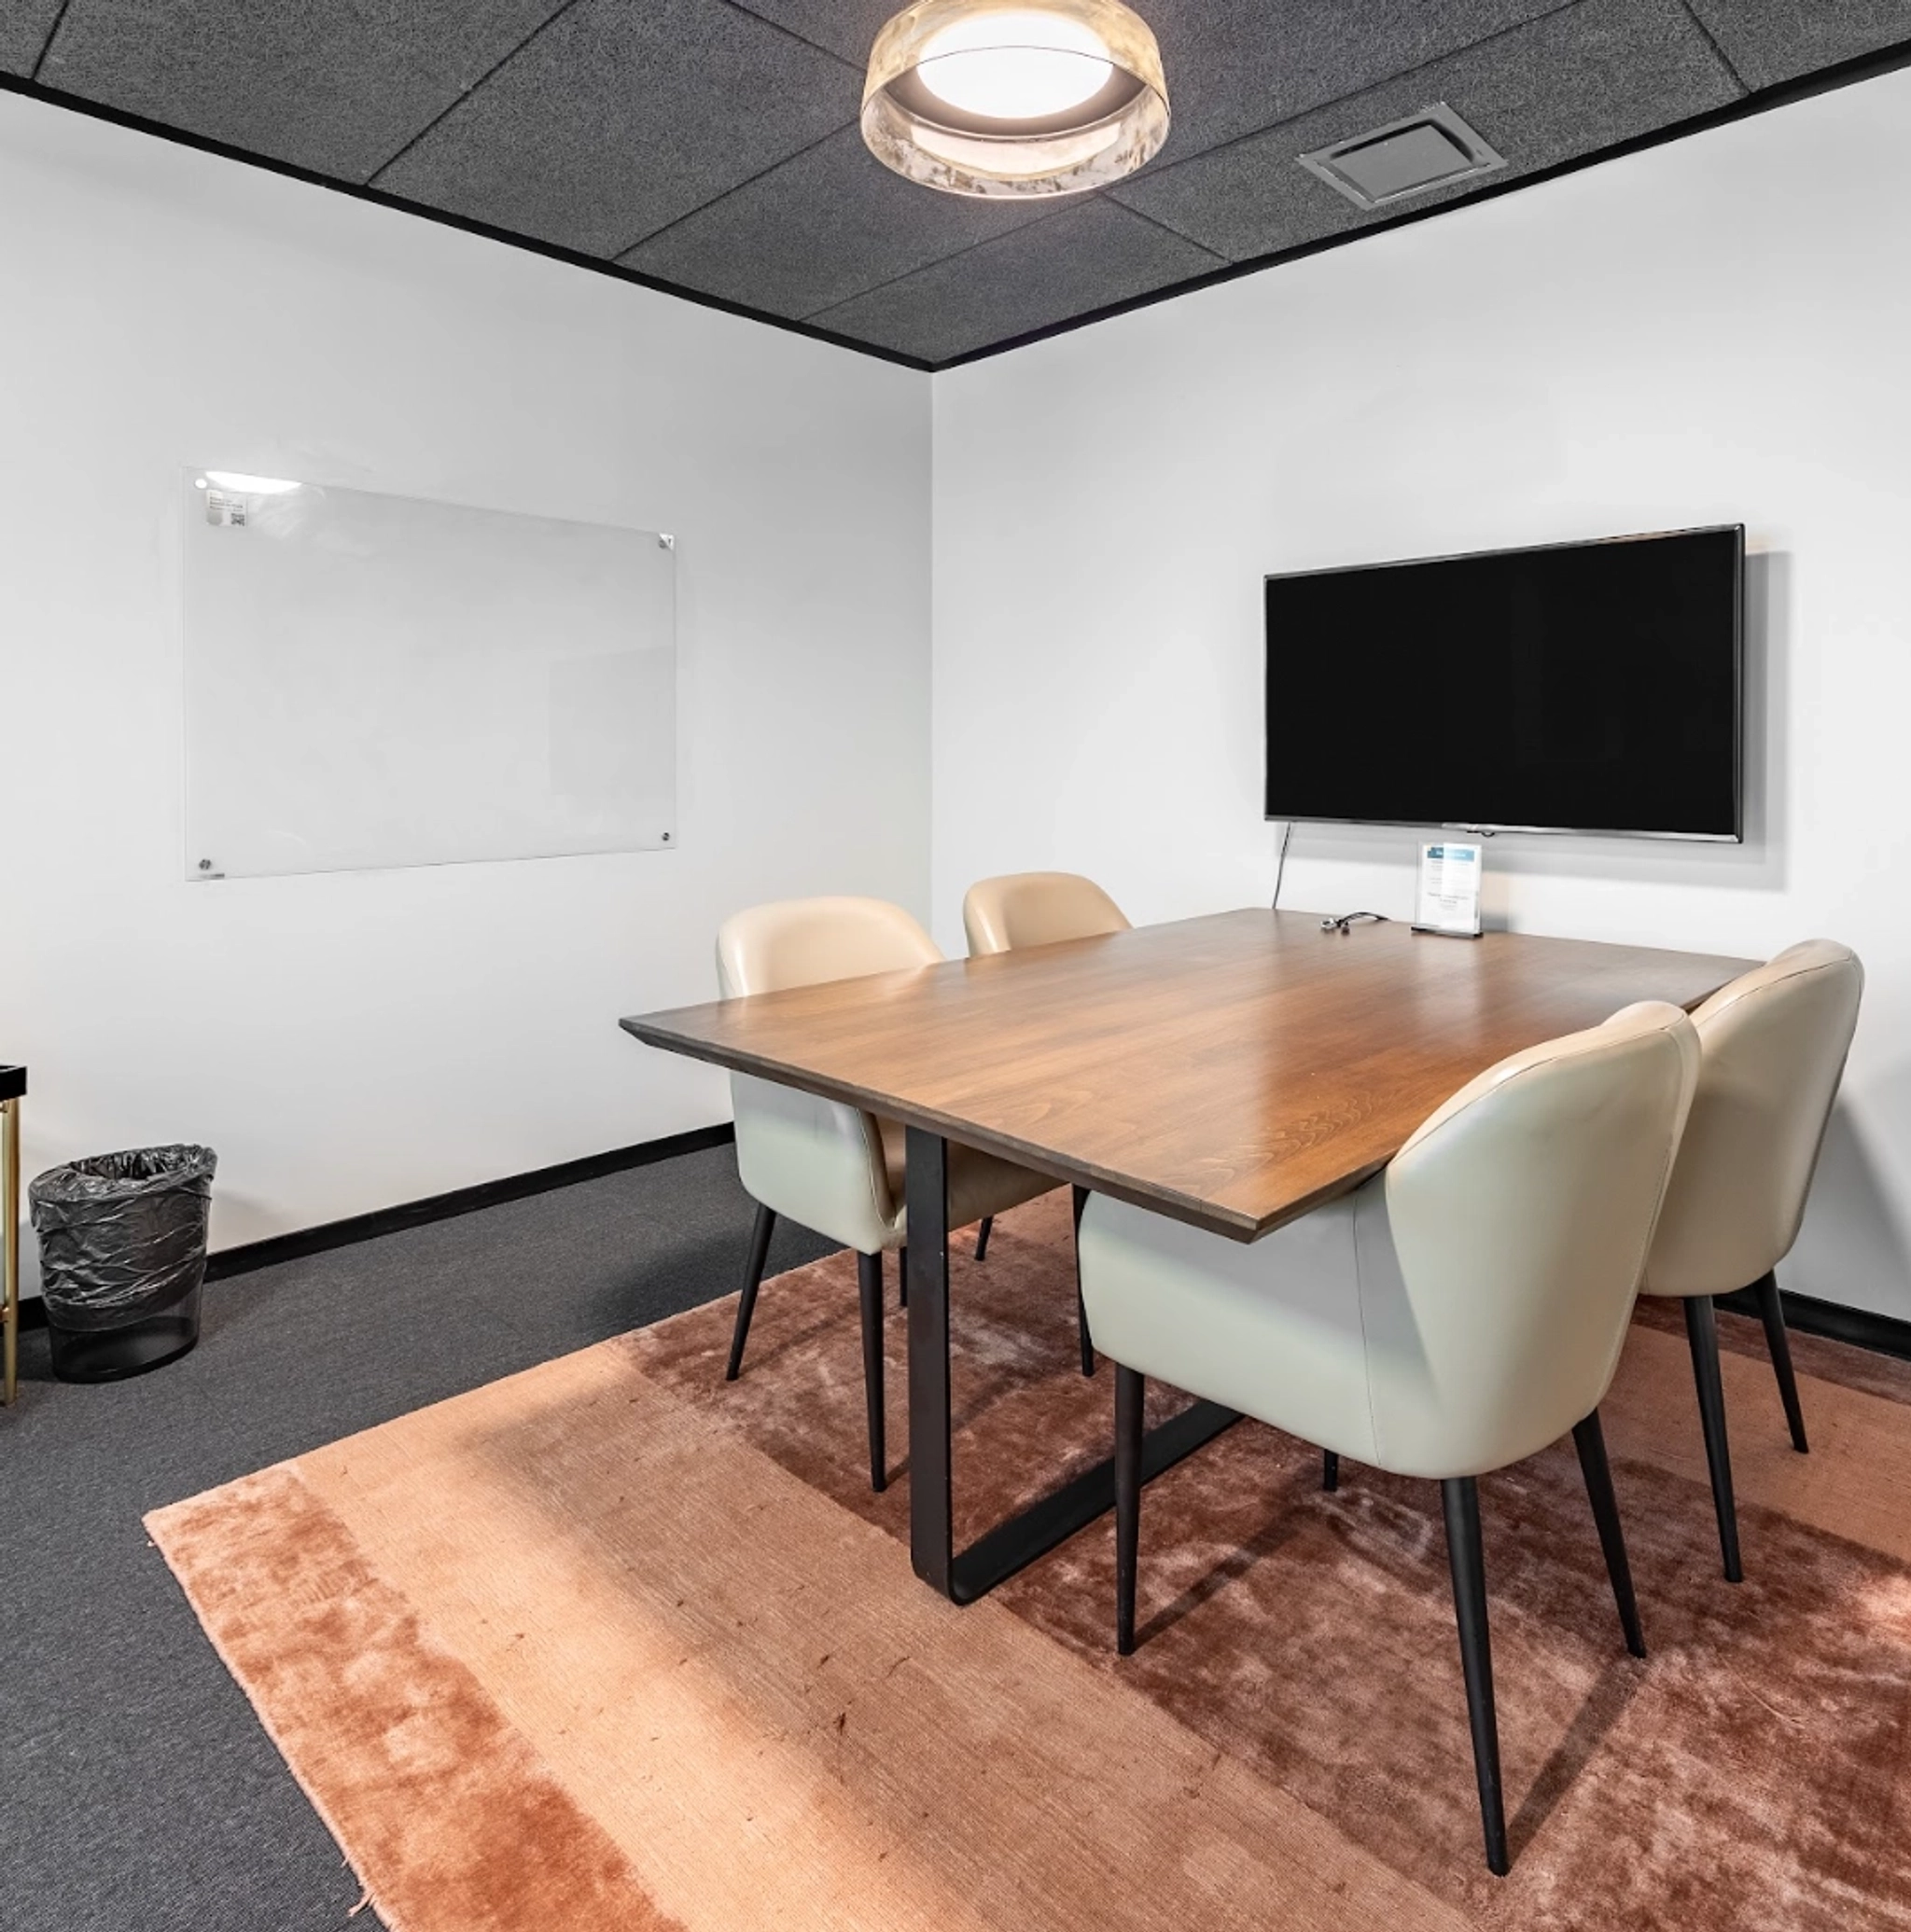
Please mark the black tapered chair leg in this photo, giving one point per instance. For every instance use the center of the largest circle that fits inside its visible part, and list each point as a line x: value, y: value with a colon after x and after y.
x: 1772, y: 1313
x: 1459, y: 1498
x: 902, y: 1277
x: 1130, y: 1388
x: 1589, y: 1438
x: 1081, y: 1334
x: 981, y: 1237
x: 869, y: 1279
x: 1329, y: 1470
x: 1702, y: 1333
x: 752, y: 1280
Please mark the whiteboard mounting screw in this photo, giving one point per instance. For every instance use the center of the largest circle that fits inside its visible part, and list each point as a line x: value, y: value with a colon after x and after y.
x: 205, y: 865
x: 666, y: 837
x: 665, y: 542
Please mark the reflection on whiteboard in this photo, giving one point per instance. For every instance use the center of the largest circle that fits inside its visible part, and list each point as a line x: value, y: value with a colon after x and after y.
x: 382, y: 681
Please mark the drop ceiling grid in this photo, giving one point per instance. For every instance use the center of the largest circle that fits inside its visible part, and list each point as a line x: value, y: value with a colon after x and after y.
x: 1247, y: 198
x: 325, y: 84
x: 24, y: 28
x: 828, y: 229
x: 711, y: 145
x: 1580, y: 78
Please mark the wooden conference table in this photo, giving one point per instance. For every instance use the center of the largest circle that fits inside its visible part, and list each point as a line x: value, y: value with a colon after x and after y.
x: 1233, y: 1071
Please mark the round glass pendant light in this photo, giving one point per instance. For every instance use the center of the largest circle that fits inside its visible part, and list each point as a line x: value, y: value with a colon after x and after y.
x: 1015, y: 97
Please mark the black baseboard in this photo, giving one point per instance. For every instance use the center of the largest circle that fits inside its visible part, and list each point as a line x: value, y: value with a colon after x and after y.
x: 1883, y: 1334
x: 255, y: 1255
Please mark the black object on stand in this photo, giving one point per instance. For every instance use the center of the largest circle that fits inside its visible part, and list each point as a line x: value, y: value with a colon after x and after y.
x: 12, y: 1090
x: 122, y: 1258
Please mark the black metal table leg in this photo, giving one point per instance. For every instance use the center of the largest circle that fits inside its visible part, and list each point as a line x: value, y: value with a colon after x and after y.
x: 931, y: 1531
x: 1081, y: 1334
x: 869, y: 1271
x: 1130, y: 1393
x: 1013, y: 1545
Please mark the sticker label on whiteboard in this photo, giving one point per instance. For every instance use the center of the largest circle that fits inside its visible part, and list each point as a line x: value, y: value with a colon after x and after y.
x: 223, y: 507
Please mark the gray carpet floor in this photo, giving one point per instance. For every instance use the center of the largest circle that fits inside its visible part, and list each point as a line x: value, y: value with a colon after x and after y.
x: 137, y: 1791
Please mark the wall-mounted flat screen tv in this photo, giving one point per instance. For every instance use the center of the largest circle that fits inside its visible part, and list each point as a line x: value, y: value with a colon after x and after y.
x: 1579, y: 688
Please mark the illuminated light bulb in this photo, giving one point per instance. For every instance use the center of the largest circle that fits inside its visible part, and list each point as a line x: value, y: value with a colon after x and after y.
x: 1016, y: 66
x: 1051, y: 97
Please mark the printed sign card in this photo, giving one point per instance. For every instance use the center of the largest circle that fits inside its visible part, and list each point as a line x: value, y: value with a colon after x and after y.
x: 1448, y: 898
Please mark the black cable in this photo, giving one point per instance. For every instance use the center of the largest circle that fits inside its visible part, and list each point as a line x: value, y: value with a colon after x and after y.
x: 1344, y: 924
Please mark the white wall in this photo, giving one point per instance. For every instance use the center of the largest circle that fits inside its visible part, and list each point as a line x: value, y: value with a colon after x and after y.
x: 1708, y: 331
x: 351, y: 1040
x: 1711, y: 331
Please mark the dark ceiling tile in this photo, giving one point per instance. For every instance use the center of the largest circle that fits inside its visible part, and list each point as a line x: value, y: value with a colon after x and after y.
x: 713, y: 144
x: 845, y: 27
x: 624, y: 116
x: 337, y: 86
x: 1236, y: 66
x: 1573, y: 82
x: 818, y: 230
x: 1087, y: 257
x: 1770, y: 41
x: 23, y: 25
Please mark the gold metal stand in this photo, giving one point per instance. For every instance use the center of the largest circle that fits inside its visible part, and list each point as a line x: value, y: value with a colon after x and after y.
x: 10, y: 1210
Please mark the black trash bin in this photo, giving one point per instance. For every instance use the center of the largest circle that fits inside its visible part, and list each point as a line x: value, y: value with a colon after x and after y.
x: 122, y: 1258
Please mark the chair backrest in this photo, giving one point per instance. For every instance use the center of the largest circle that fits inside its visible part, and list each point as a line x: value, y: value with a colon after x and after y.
x: 804, y: 942
x: 1035, y: 908
x: 1773, y: 1051
x: 1520, y: 1214
x: 816, y: 1161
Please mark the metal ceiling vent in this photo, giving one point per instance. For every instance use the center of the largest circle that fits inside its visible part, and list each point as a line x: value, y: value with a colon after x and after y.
x: 1433, y: 148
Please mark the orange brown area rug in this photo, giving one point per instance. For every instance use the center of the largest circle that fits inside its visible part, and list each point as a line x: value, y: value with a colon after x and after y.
x: 614, y: 1644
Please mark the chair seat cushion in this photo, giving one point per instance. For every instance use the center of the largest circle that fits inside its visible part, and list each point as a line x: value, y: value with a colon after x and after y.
x: 1271, y: 1328
x: 979, y: 1184
x: 1459, y: 1311
x: 839, y: 1171
x: 1310, y: 1329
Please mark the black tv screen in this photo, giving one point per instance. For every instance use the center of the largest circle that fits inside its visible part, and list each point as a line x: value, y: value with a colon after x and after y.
x: 1581, y: 687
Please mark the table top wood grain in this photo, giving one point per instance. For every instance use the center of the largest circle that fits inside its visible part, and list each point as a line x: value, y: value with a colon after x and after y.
x: 1232, y: 1071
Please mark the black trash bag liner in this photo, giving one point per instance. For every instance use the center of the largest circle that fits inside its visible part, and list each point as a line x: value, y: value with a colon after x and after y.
x: 122, y: 1235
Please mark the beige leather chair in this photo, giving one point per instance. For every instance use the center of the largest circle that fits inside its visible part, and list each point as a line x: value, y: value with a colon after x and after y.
x: 1039, y: 908
x: 829, y: 1166
x: 1035, y: 908
x: 1772, y: 1049
x: 1455, y: 1313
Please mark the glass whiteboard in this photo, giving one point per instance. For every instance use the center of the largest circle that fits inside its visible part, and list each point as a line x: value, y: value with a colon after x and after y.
x: 376, y: 681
